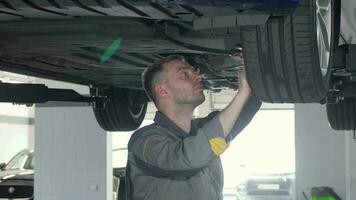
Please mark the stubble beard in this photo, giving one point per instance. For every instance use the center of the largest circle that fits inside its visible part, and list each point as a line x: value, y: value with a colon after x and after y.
x: 194, y: 101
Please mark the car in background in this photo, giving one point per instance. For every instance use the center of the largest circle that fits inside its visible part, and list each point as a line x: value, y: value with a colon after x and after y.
x: 16, y: 177
x: 267, y: 187
x: 291, y: 50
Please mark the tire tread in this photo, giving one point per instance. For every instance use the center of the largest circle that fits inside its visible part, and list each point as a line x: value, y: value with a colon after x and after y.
x: 288, y: 61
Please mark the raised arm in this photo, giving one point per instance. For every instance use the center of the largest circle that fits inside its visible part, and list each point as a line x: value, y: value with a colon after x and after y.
x: 231, y: 113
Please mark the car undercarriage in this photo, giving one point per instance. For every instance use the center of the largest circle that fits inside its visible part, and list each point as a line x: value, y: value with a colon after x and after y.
x: 290, y: 50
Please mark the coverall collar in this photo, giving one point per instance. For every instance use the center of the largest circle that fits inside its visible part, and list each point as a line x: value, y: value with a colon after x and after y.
x: 162, y: 120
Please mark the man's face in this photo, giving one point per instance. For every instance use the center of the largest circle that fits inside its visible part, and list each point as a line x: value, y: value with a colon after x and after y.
x: 183, y: 83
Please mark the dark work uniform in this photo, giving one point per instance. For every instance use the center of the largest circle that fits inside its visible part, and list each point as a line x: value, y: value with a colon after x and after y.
x: 166, y: 163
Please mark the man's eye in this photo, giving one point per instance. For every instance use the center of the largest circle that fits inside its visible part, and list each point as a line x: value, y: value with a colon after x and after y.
x: 184, y: 75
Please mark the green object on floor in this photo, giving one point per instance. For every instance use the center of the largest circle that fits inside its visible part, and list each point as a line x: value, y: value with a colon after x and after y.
x: 321, y: 193
x: 322, y: 198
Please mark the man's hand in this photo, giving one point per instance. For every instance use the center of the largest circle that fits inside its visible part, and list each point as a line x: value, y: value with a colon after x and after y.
x: 244, y: 87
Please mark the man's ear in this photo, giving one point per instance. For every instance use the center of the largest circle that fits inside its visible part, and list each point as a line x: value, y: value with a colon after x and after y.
x: 161, y: 91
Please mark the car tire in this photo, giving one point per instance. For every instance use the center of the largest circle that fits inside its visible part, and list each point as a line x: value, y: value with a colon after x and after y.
x: 122, y: 112
x: 342, y: 115
x: 282, y: 59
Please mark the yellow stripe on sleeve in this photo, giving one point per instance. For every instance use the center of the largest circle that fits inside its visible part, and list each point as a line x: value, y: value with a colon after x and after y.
x: 218, y: 145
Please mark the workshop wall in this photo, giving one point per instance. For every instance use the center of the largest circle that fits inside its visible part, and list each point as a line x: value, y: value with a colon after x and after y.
x: 320, y: 151
x: 16, y: 130
x: 73, y: 158
x: 350, y: 165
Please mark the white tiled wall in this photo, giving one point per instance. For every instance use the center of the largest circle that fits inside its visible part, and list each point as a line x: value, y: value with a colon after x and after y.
x: 320, y: 151
x: 73, y: 155
x: 16, y: 129
x: 350, y: 165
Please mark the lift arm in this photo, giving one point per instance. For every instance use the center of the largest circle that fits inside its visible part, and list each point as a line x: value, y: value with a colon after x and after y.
x: 39, y: 93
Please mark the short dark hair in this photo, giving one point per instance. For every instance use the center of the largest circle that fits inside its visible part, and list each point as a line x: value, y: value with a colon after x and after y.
x: 150, y: 75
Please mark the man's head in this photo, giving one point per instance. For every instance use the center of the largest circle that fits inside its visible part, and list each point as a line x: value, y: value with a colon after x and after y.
x: 174, y: 79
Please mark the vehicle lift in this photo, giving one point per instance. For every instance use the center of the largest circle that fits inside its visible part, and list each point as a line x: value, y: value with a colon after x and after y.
x: 29, y: 94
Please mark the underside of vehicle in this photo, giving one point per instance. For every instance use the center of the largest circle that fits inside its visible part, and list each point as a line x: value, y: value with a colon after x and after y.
x: 288, y: 50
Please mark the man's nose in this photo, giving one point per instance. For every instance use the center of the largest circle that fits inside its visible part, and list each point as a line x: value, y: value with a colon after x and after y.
x: 197, y: 77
